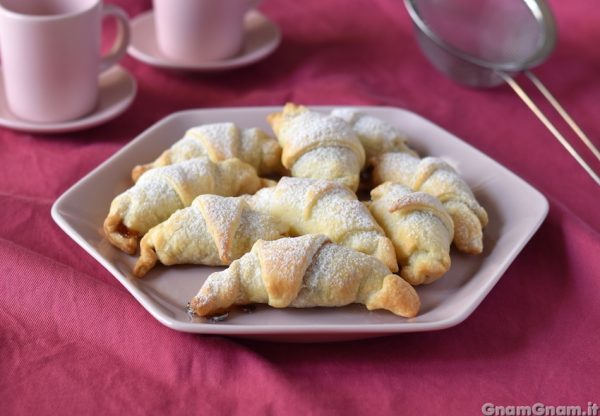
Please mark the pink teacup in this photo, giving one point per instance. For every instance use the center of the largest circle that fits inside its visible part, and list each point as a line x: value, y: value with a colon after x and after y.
x: 51, y: 56
x: 193, y: 31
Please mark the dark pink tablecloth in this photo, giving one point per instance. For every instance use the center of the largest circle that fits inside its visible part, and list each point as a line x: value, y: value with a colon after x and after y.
x: 74, y: 341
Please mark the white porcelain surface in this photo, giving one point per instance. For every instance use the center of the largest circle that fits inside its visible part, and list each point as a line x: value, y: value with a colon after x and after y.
x: 51, y: 56
x: 261, y: 38
x: 516, y: 210
x: 200, y: 30
x: 117, y: 91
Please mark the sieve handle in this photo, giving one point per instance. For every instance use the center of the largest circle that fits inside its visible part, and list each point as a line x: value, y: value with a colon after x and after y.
x: 563, y: 113
x: 540, y: 115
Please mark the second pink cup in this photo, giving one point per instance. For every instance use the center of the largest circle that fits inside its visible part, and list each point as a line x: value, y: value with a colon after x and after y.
x: 194, y: 31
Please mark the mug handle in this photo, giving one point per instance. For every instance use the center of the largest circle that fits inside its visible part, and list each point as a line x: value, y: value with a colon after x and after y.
x: 123, y: 36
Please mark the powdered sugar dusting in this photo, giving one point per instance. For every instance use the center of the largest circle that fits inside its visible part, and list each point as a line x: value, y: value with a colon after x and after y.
x: 159, y: 192
x: 308, y: 127
x: 402, y: 195
x: 334, y: 162
x: 344, y: 216
x: 390, y: 191
x: 319, y: 206
x: 395, y: 167
x: 221, y: 215
x: 222, y: 138
x: 194, y: 225
x: 350, y: 115
x: 259, y: 225
x: 333, y: 264
x: 147, y: 203
x: 186, y: 148
x: 335, y: 277
x: 292, y: 193
x: 376, y: 135
x: 296, y: 251
x: 286, y: 261
x: 330, y: 154
x: 215, y: 286
x: 438, y: 178
x: 250, y: 148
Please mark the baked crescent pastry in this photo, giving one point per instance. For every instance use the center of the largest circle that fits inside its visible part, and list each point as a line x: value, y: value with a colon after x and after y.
x: 316, y: 145
x: 222, y: 141
x: 319, y: 206
x: 162, y: 191
x: 420, y: 228
x: 304, y: 272
x: 436, y: 177
x: 376, y: 136
x: 213, y: 231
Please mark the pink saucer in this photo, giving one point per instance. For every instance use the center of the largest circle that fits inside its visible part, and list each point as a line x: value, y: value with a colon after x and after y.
x: 117, y: 91
x: 261, y: 39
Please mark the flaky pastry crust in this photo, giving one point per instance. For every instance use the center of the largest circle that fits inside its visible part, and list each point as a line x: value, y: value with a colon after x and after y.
x: 304, y: 272
x: 212, y: 231
x: 162, y: 191
x: 319, y: 206
x: 319, y: 146
x: 436, y: 177
x: 222, y: 141
x: 420, y: 229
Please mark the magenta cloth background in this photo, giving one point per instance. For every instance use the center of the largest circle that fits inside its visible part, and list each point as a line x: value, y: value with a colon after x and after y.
x: 73, y: 341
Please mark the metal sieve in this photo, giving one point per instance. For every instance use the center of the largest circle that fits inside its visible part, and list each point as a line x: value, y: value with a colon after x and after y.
x: 485, y: 43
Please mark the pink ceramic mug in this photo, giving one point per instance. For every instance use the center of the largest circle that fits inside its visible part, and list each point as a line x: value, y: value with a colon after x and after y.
x: 51, y: 56
x: 193, y: 31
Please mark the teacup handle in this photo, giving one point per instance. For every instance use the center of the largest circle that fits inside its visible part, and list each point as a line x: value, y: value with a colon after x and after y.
x: 123, y: 36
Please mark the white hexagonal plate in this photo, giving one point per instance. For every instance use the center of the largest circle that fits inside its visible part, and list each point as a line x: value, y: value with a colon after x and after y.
x: 516, y: 210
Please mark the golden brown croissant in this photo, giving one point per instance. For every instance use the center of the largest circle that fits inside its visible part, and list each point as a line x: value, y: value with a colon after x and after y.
x: 213, y: 231
x: 420, y: 228
x: 319, y: 206
x: 305, y: 272
x: 162, y: 191
x: 222, y: 141
x: 436, y: 177
x: 318, y: 146
x: 376, y: 136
